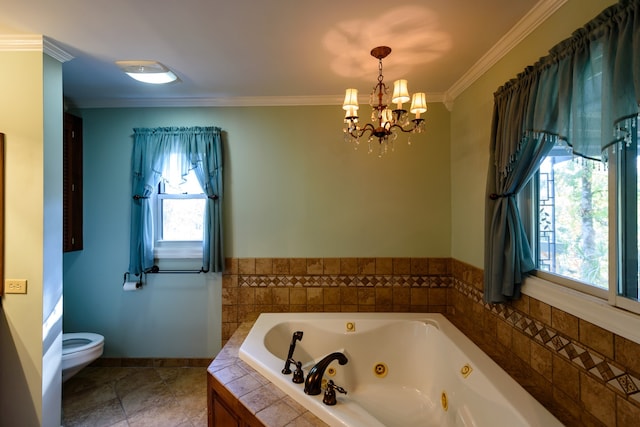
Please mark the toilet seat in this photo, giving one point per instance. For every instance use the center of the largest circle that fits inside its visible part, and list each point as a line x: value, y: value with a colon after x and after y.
x: 79, y: 341
x: 78, y: 351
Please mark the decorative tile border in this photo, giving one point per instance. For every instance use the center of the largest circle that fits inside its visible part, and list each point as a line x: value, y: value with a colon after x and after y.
x: 339, y: 266
x: 344, y: 281
x: 582, y: 357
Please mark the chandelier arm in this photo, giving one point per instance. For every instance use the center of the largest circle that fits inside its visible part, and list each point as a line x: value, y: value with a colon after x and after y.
x: 414, y: 122
x: 357, y: 133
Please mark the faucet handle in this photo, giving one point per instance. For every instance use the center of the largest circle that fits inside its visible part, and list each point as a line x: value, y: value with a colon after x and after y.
x: 337, y: 388
x: 330, y: 393
x: 298, y: 374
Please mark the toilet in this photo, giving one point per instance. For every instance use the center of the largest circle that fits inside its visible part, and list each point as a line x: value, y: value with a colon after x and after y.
x: 78, y: 350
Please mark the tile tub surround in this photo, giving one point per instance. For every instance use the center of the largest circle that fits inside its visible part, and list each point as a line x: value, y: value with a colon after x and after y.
x: 583, y: 374
x: 254, y: 396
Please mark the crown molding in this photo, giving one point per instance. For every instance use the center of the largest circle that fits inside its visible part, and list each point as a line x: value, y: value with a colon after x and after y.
x: 532, y: 20
x: 250, y: 101
x: 53, y: 50
x: 33, y: 43
x: 20, y: 42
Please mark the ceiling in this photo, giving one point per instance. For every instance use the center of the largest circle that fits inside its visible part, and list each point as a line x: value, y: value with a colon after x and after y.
x: 253, y: 52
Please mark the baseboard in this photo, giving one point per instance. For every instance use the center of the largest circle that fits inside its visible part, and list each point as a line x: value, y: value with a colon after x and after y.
x: 145, y: 362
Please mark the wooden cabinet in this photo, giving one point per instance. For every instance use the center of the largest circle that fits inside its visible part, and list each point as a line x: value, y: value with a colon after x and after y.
x: 224, y: 409
x: 222, y: 416
x: 72, y: 183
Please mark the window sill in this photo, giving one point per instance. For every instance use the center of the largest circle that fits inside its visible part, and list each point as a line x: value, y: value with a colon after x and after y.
x: 587, y: 307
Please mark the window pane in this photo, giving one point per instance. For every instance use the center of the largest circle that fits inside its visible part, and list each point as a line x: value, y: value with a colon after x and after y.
x: 182, y: 219
x: 632, y: 291
x: 573, y: 236
x: 628, y: 218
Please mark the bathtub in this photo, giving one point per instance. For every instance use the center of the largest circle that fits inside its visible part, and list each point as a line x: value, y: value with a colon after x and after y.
x: 403, y: 369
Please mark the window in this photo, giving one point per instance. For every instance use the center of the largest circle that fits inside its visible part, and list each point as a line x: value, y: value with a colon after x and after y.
x: 179, y: 218
x: 164, y: 219
x: 586, y: 222
x: 580, y: 218
x: 573, y: 225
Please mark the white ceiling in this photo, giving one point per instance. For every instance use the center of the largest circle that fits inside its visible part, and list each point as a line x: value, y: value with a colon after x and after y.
x: 259, y: 52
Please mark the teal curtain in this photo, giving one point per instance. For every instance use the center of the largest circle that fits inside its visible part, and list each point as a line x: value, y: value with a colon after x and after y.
x: 585, y: 93
x: 194, y: 148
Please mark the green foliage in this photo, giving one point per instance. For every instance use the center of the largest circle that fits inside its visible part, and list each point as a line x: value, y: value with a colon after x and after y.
x: 580, y: 220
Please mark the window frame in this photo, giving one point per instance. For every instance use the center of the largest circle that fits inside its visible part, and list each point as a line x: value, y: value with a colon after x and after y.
x: 625, y: 182
x: 173, y: 249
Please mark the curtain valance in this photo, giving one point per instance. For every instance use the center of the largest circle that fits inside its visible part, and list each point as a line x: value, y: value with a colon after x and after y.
x: 582, y: 92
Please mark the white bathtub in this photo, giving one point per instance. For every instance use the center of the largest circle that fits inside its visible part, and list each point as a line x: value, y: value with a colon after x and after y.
x: 435, y: 376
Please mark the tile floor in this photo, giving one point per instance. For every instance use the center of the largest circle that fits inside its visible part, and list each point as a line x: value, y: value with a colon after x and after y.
x: 136, y: 397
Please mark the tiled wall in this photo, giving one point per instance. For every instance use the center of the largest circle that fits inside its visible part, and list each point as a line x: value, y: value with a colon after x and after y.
x: 584, y: 374
x: 251, y: 286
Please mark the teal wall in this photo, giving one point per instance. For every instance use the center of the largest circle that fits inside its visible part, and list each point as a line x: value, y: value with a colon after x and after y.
x: 174, y: 315
x: 293, y: 188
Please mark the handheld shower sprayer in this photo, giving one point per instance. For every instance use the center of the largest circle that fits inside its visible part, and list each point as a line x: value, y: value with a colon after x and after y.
x: 297, y: 336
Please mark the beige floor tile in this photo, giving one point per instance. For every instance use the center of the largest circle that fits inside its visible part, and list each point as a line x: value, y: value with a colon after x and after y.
x: 102, y: 414
x: 200, y: 420
x: 167, y: 415
x: 141, y: 377
x: 136, y: 397
x: 87, y: 398
x: 146, y: 396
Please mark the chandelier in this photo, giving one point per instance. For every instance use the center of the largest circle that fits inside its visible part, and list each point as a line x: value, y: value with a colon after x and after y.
x: 386, y: 121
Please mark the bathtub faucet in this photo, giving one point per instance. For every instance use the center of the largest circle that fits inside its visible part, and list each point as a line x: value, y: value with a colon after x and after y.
x: 297, y: 336
x: 313, y: 383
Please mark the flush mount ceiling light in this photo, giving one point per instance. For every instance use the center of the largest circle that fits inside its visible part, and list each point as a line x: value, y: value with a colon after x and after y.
x: 147, y: 71
x: 386, y: 121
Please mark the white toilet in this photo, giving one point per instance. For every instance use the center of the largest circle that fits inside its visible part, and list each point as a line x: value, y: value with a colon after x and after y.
x: 79, y: 350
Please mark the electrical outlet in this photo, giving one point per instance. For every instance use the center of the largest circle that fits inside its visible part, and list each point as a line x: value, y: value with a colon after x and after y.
x: 15, y: 286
